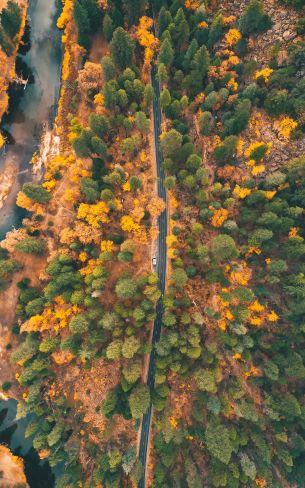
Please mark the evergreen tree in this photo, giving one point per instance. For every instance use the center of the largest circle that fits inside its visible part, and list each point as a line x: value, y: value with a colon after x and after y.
x: 164, y: 20
x: 94, y: 14
x: 36, y: 193
x: 180, y: 32
x: 99, y: 125
x: 11, y: 18
x: 31, y: 245
x: 166, y: 54
x: 254, y: 19
x: 199, y: 70
x: 122, y: 48
x: 83, y: 24
x: 134, y: 9
x: 108, y: 68
x: 108, y: 27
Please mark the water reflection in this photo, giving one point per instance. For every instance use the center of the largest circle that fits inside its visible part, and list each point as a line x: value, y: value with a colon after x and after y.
x: 38, y: 473
x: 31, y: 109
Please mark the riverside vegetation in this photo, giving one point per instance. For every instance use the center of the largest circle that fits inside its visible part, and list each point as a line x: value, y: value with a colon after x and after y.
x: 228, y: 399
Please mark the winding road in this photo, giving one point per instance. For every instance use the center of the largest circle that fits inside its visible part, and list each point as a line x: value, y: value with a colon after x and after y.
x: 161, y: 270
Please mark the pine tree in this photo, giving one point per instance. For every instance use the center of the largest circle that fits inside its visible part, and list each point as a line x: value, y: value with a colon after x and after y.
x: 83, y: 24
x: 122, y: 48
x: 181, y: 32
x: 254, y: 19
x: 94, y: 14
x: 164, y: 20
x: 134, y: 9
x: 199, y: 70
x: 11, y: 18
x: 166, y: 54
x: 108, y: 27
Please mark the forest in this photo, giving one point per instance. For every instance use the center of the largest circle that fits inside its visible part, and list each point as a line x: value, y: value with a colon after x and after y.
x: 187, y: 114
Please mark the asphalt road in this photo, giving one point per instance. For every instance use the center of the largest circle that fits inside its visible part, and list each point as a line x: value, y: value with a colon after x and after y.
x: 161, y: 270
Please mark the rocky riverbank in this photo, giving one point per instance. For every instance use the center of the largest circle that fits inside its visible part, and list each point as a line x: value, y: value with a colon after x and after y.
x: 11, y: 470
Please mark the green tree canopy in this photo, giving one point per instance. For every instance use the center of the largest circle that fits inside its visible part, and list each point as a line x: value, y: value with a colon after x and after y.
x: 122, y: 48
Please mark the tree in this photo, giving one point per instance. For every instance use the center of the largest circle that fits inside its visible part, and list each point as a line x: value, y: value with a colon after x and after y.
x: 139, y: 401
x: 180, y: 30
x: 218, y: 442
x: 99, y: 147
x: 216, y: 29
x: 142, y: 123
x: 108, y: 27
x: 130, y: 144
x: 114, y: 349
x: 295, y: 168
x: 8, y: 267
x: 36, y: 193
x: 164, y: 19
x: 179, y: 277
x: 162, y: 73
x: 79, y: 324
x: 130, y: 347
x: 135, y: 183
x: 191, y: 51
x: 5, y: 43
x: 122, y: 48
x: 165, y: 98
x: 108, y: 68
x: 11, y: 18
x: 55, y: 435
x: 199, y: 70
x: 148, y: 95
x: 225, y: 151
x: 254, y: 19
x: 132, y: 371
x: 81, y: 144
x: 223, y: 246
x: 276, y: 102
x: 35, y: 307
x: 31, y: 245
x: 90, y: 77
x: 109, y: 403
x: 134, y: 9
x: 126, y: 288
x: 206, y: 123
x: 111, y: 94
x: 171, y: 142
x: 49, y: 344
x: 166, y: 54
x: 99, y: 125
x: 83, y: 24
x: 205, y: 380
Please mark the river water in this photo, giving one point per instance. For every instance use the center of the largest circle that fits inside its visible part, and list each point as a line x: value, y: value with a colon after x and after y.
x: 35, y: 109
x: 31, y: 111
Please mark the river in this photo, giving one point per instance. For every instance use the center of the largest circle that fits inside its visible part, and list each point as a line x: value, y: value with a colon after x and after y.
x: 31, y: 112
x: 35, y: 109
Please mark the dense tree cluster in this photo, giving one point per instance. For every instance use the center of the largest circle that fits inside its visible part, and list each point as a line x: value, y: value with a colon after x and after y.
x: 10, y: 23
x: 237, y: 360
x: 229, y: 366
